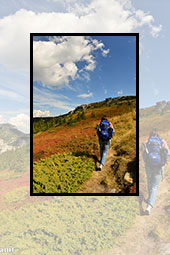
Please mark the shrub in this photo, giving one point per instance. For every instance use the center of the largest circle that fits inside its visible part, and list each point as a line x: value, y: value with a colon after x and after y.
x: 93, y: 115
x: 61, y: 173
x: 68, y: 225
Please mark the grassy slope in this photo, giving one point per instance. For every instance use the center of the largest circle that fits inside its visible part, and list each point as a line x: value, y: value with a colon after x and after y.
x: 81, y: 139
x: 74, y: 225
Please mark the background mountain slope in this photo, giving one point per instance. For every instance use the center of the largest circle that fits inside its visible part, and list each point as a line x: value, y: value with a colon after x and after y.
x: 14, y: 148
x: 11, y: 138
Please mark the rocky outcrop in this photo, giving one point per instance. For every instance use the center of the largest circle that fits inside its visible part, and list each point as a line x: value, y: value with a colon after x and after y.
x: 162, y: 106
x: 111, y: 100
x: 80, y: 108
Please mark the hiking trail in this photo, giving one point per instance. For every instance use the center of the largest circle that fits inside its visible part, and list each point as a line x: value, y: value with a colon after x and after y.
x: 96, y: 184
x: 143, y: 238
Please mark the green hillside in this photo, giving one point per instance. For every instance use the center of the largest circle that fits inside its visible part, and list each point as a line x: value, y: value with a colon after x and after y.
x: 75, y: 133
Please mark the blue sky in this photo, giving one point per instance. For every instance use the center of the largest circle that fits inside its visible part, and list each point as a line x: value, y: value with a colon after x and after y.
x: 19, y: 17
x: 111, y: 72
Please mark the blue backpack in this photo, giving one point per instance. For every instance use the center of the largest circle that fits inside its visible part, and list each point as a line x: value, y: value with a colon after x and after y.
x: 105, y: 131
x: 154, y: 151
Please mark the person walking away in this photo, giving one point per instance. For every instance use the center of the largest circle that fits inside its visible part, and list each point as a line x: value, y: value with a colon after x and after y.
x: 105, y: 132
x: 155, y: 156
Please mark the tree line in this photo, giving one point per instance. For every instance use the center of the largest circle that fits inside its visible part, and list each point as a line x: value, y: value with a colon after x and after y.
x: 43, y: 125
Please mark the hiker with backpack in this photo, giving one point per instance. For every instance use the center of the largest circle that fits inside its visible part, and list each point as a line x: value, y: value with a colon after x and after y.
x: 105, y: 132
x: 155, y: 155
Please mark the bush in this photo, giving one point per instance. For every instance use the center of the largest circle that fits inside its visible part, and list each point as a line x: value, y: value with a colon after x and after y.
x: 93, y: 115
x: 61, y: 173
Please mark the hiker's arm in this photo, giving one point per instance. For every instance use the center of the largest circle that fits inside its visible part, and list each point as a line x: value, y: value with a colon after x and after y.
x: 166, y: 149
x: 111, y: 127
x: 164, y: 145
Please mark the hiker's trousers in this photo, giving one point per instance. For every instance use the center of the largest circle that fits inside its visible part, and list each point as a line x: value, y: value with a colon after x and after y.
x: 154, y: 176
x: 104, y: 147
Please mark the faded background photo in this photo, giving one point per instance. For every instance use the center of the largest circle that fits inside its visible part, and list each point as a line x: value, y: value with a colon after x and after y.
x: 80, y: 225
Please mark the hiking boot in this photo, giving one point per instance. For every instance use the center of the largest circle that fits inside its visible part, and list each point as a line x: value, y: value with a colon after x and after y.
x: 148, y: 210
x: 101, y: 166
x: 97, y: 164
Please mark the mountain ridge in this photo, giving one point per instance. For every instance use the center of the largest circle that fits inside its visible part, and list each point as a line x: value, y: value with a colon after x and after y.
x: 160, y: 108
x: 11, y: 138
x: 108, y: 101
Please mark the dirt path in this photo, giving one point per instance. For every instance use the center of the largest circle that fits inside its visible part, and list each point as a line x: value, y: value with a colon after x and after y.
x: 96, y: 184
x: 142, y: 237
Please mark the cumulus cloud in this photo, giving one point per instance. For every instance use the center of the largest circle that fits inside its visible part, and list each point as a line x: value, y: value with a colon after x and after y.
x: 96, y: 16
x: 21, y: 121
x: 55, y: 61
x: 39, y: 113
x: 85, y: 95
x: 155, y: 30
x: 105, y: 52
x: 120, y: 92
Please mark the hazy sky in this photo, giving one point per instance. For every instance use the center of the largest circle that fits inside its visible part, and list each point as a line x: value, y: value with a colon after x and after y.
x: 69, y: 71
x: 19, y: 17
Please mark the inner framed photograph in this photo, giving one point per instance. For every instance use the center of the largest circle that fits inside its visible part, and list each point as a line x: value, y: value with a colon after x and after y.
x: 84, y: 107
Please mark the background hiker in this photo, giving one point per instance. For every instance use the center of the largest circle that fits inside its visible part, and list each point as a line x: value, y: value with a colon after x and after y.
x: 105, y: 132
x: 155, y: 155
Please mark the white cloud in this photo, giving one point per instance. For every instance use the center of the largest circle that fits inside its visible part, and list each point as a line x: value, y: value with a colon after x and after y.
x: 11, y: 94
x: 148, y: 19
x: 55, y: 61
x: 21, y: 121
x: 45, y: 97
x: 155, y: 30
x: 85, y: 95
x: 53, y: 103
x: 105, y: 52
x: 96, y: 16
x: 120, y: 92
x: 105, y: 91
x: 39, y: 113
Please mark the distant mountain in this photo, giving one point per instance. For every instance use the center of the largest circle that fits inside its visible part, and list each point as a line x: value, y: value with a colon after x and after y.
x: 11, y: 138
x: 161, y: 107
